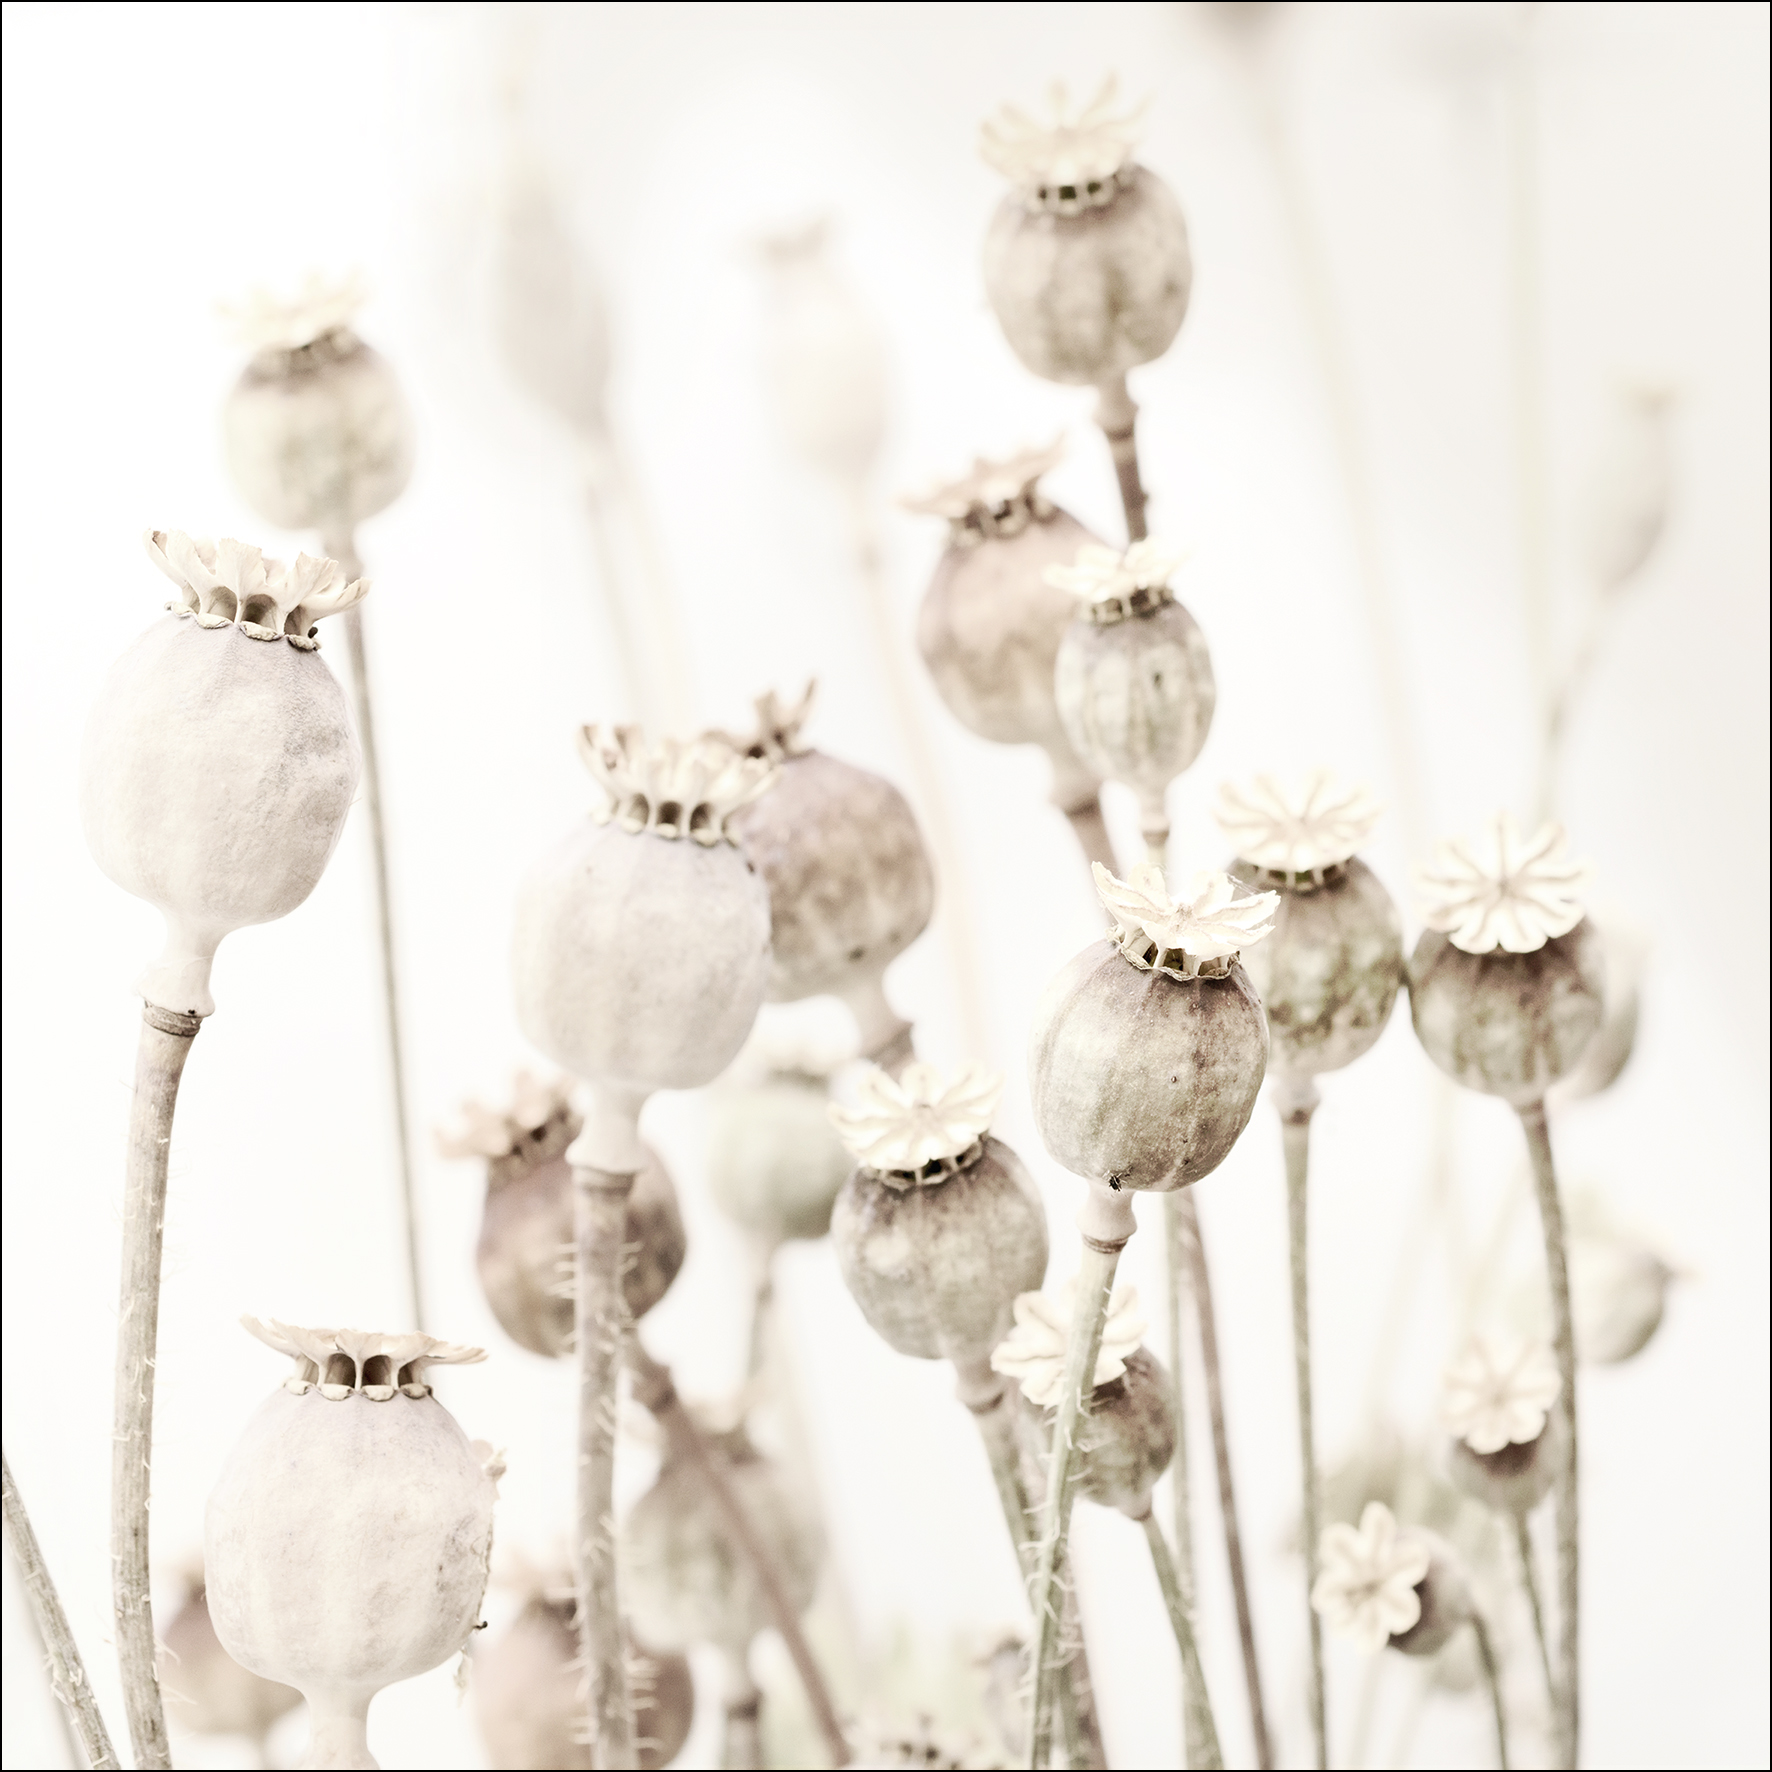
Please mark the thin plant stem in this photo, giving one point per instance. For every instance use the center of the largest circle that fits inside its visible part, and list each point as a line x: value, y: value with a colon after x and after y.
x: 1567, y: 1691
x: 741, y: 1747
x: 67, y: 1672
x: 1095, y: 1281
x: 1529, y: 1575
x: 1176, y: 1261
x: 1092, y: 832
x: 1296, y: 1106
x: 1200, y: 1275
x: 1194, y: 1676
x: 71, y: 1754
x: 654, y: 1389
x: 1118, y: 418
x: 600, y: 1323
x: 1492, y: 1674
x: 342, y: 547
x: 164, y: 1046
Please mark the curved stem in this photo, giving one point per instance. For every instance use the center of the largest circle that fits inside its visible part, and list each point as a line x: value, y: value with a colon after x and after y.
x: 1181, y: 1505
x: 1181, y: 1620
x: 1529, y: 1573
x: 1492, y: 1674
x: 1201, y: 1277
x: 1095, y: 1281
x: 1118, y: 418
x: 600, y: 1322
x: 654, y: 1389
x: 165, y: 1044
x: 343, y: 549
x: 1556, y: 1261
x: 67, y: 1671
x: 1295, y: 1131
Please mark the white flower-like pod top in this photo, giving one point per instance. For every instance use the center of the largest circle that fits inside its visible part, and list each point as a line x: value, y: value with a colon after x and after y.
x: 1496, y: 890
x: 1072, y: 163
x: 228, y: 581
x: 268, y: 322
x: 920, y: 1125
x: 481, y: 1131
x: 1499, y: 1394
x: 1033, y: 1354
x: 1196, y: 932
x: 342, y: 1361
x: 993, y: 497
x: 1366, y: 1589
x: 677, y: 787
x: 1296, y: 828
x: 1111, y: 584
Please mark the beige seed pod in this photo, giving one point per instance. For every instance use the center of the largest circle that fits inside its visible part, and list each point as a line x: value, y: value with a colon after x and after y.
x: 774, y: 1162
x: 347, y: 1539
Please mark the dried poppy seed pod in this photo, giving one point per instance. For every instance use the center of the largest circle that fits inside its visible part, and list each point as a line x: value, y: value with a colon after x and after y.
x: 1149, y: 1048
x: 774, y: 1162
x: 206, y: 1689
x: 1506, y: 986
x: 525, y: 1250
x: 684, y: 1579
x: 318, y: 433
x: 219, y: 760
x: 1125, y: 1439
x: 1329, y: 974
x: 1086, y: 262
x: 940, y: 1228
x: 1619, y: 1285
x: 1387, y: 1586
x: 850, y: 886
x: 347, y: 1539
x: 1507, y: 1445
x: 642, y: 940
x: 990, y: 623
x: 529, y: 1694
x: 1134, y: 679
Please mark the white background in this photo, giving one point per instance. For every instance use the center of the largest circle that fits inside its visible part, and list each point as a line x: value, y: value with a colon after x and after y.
x: 159, y: 158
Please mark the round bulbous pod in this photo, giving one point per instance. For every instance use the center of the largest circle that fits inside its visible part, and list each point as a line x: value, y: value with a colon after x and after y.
x: 1516, y: 1477
x: 1619, y: 1289
x: 219, y: 760
x: 347, y: 1539
x: 529, y: 1696
x: 1328, y: 976
x: 684, y: 1578
x: 318, y: 433
x: 1445, y: 1596
x: 937, y: 1261
x: 206, y: 1689
x: 1507, y: 1024
x: 849, y: 881
x: 774, y: 1164
x: 1125, y: 1438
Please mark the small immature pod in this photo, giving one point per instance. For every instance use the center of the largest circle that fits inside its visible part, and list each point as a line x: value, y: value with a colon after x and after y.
x: 1507, y: 1444
x: 1086, y: 262
x: 525, y: 1250
x: 940, y: 1228
x: 318, y: 433
x: 347, y: 1539
x: 1387, y: 1586
x: 219, y: 761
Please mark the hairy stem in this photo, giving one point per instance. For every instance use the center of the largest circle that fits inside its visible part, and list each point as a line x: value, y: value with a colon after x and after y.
x: 1201, y: 1277
x: 1095, y: 1281
x: 1492, y: 1674
x: 343, y: 548
x: 1199, y: 1701
x: 1295, y: 1131
x: 1556, y: 1261
x: 1529, y: 1574
x: 165, y: 1044
x: 67, y: 1671
x: 654, y: 1389
x: 1181, y: 1502
x: 1118, y: 418
x: 600, y: 1323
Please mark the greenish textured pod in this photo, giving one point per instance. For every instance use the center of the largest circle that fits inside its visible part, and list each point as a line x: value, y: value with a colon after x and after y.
x: 1125, y: 1439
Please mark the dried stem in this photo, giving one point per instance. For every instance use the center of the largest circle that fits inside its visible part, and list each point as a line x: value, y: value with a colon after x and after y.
x: 1176, y: 1260
x: 165, y: 1044
x: 1199, y: 1701
x: 1095, y: 1281
x: 67, y: 1671
x: 1529, y: 1574
x: 1567, y: 1690
x: 655, y: 1391
x: 1492, y: 1674
x: 742, y: 1744
x: 1200, y: 1275
x: 1118, y: 418
x: 1296, y: 1106
x: 342, y: 547
x: 600, y: 1323
x: 1091, y: 829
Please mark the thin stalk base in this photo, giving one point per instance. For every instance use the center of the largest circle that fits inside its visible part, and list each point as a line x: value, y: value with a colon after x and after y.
x: 1200, y: 1719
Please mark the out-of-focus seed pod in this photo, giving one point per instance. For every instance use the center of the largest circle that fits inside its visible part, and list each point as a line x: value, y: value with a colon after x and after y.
x: 319, y: 435
x: 219, y: 760
x: 774, y: 1163
x: 1507, y: 1445
x: 1384, y: 1585
x: 524, y: 1254
x: 207, y: 1690
x: 1445, y: 1598
x: 347, y: 1539
x: 1619, y: 1287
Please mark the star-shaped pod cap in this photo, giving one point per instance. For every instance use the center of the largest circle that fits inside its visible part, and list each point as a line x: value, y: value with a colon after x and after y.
x: 1196, y: 932
x: 1499, y: 1394
x: 676, y: 787
x: 346, y: 1362
x: 923, y: 1126
x: 1073, y: 162
x: 1033, y: 1353
x: 1299, y: 829
x: 322, y: 305
x: 1496, y: 891
x: 228, y: 582
x: 989, y: 486
x: 1111, y: 584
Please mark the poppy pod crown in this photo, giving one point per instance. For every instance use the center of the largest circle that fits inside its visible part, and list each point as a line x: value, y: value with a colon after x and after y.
x: 1075, y: 162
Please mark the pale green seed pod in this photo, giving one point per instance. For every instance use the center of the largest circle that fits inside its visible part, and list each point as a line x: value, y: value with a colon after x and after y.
x: 774, y: 1164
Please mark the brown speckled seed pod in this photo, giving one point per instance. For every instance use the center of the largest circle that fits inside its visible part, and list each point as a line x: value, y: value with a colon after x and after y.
x: 1125, y: 1441
x: 1507, y: 1024
x: 936, y: 1266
